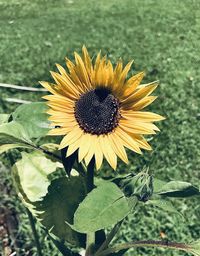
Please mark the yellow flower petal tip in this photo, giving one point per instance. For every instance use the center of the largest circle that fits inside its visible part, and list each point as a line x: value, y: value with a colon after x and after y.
x: 99, y: 111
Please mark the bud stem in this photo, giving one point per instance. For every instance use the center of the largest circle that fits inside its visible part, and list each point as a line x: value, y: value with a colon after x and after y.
x: 90, y: 242
x: 146, y: 243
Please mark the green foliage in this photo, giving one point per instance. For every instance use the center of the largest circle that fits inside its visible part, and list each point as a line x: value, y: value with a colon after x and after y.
x: 33, y: 170
x: 58, y: 207
x: 52, y: 202
x: 140, y: 185
x: 103, y: 207
x: 28, y: 121
x: 163, y: 38
x: 164, y: 204
x: 33, y: 118
x: 13, y: 135
x: 195, y: 248
x: 4, y: 118
x: 178, y: 189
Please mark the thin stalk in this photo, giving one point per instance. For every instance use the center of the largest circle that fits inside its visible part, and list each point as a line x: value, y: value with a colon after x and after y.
x: 109, y: 238
x: 35, y: 234
x: 90, y: 240
x: 146, y: 243
x: 49, y: 153
x: 62, y: 248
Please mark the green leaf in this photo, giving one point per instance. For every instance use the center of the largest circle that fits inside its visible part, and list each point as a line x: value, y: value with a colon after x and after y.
x: 34, y: 118
x: 58, y: 207
x: 103, y: 207
x: 163, y: 204
x: 178, y: 189
x: 33, y: 170
x: 53, y: 202
x: 4, y: 118
x: 194, y: 248
x: 13, y: 133
x: 6, y: 147
x: 157, y: 185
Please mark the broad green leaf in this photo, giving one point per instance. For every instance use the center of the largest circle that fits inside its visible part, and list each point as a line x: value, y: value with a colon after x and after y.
x: 157, y: 185
x: 4, y: 118
x: 178, y: 189
x: 53, y: 202
x: 13, y: 133
x: 6, y: 147
x: 33, y: 170
x: 103, y: 207
x: 163, y: 204
x: 58, y: 207
x: 33, y: 117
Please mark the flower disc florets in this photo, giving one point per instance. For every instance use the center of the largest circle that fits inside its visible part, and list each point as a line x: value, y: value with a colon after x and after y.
x: 97, y: 111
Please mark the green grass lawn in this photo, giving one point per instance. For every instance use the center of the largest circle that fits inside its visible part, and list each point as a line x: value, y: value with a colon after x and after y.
x: 163, y: 39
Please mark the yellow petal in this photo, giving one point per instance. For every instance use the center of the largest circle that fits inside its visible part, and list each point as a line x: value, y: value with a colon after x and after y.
x: 117, y: 74
x: 118, y: 147
x: 59, y: 108
x: 125, y: 72
x: 59, y: 99
x: 62, y: 114
x: 81, y: 70
x: 66, y: 87
x: 85, y: 144
x: 75, y: 78
x: 141, y: 141
x: 133, y: 83
x: 139, y: 94
x: 108, y: 151
x: 50, y: 87
x: 59, y: 131
x: 98, y: 155
x: 91, y: 151
x: 71, y: 137
x: 137, y: 128
x: 143, y: 103
x: 127, y: 140
x: 72, y: 148
x: 142, y: 116
x: 87, y: 59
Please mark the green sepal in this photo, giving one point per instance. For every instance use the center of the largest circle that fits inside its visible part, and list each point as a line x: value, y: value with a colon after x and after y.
x: 139, y: 185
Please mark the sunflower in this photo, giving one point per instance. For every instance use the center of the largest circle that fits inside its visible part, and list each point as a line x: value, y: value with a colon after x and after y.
x: 98, y: 110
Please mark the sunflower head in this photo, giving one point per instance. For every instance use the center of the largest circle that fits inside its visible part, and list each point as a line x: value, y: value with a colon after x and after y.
x: 98, y: 110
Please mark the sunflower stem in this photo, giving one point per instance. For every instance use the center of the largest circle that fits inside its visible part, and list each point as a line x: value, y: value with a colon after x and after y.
x: 90, y: 241
x: 146, y: 243
x: 109, y: 238
x: 35, y: 234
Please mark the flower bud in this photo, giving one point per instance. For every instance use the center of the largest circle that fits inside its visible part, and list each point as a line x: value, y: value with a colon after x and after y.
x: 140, y: 185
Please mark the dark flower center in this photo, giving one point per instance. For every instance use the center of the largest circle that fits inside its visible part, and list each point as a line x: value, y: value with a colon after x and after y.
x: 97, y: 111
